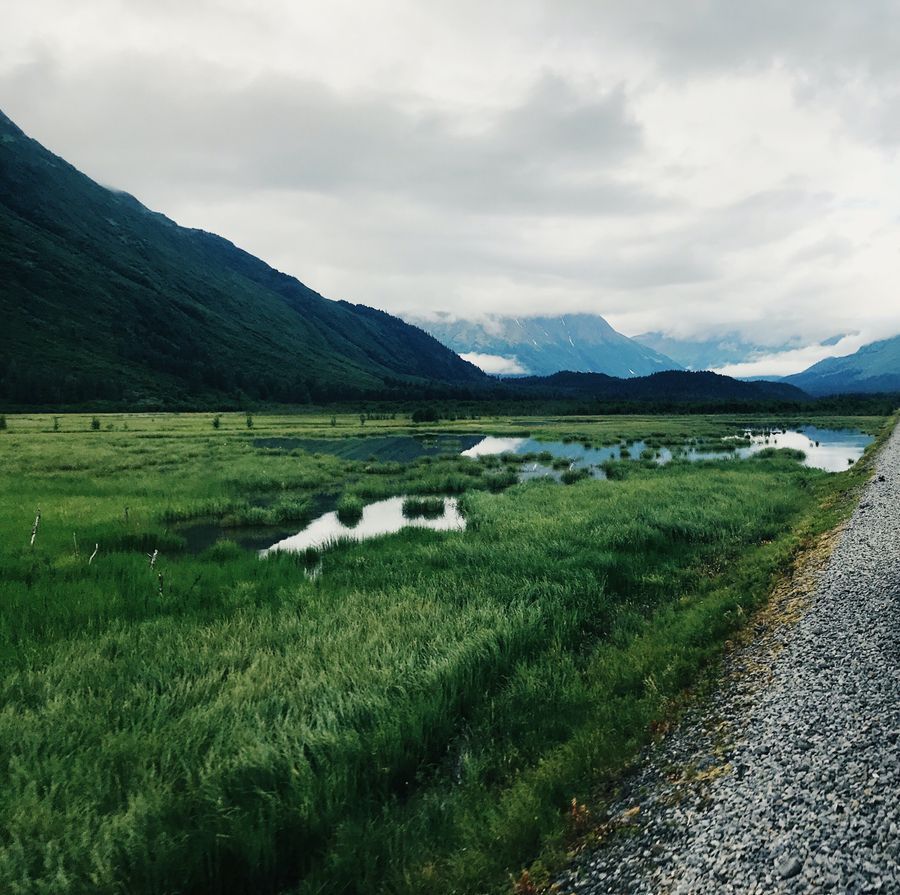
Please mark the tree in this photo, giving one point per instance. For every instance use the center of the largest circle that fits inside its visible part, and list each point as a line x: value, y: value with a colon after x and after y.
x: 425, y: 415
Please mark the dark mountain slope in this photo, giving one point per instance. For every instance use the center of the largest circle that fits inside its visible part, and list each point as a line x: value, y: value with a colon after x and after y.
x: 545, y: 345
x: 104, y: 299
x: 675, y: 386
x: 874, y: 368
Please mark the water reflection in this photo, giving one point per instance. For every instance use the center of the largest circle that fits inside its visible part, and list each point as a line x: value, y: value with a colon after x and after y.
x: 829, y: 449
x: 380, y: 518
x: 384, y: 448
x: 494, y: 445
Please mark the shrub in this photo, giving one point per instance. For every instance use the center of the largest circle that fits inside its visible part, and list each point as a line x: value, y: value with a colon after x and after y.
x: 425, y: 415
x: 95, y: 424
x: 216, y: 421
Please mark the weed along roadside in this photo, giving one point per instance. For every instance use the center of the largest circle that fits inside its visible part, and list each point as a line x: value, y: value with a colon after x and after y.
x: 416, y: 718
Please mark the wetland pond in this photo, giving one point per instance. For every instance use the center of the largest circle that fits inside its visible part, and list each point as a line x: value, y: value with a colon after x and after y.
x: 828, y: 449
x: 380, y: 518
x: 381, y: 448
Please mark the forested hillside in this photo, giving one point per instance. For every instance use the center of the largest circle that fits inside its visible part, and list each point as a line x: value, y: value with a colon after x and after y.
x: 102, y: 298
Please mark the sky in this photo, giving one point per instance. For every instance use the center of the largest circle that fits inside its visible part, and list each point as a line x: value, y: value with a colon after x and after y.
x: 705, y: 168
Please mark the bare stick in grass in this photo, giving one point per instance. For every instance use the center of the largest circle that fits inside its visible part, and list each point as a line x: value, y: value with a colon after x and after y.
x: 96, y: 548
x: 34, y: 528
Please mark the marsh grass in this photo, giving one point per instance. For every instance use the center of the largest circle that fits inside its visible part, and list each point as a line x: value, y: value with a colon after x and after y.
x: 350, y: 509
x: 576, y: 474
x: 416, y: 718
x: 782, y: 453
x: 615, y: 470
x: 429, y: 507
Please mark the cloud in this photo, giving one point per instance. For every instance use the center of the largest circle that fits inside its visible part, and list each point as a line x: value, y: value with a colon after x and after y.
x: 696, y: 37
x: 694, y: 168
x: 784, y: 363
x: 495, y: 364
x: 199, y: 125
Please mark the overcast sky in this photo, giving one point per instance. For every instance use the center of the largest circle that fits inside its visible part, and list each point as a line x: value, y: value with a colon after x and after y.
x: 696, y: 167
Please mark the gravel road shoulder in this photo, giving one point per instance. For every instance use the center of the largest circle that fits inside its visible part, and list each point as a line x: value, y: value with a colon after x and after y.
x: 788, y: 778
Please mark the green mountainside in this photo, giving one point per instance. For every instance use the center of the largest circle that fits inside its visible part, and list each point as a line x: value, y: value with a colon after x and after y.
x: 103, y: 299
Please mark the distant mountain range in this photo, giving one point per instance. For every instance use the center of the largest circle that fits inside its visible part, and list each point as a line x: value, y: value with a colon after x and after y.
x: 874, y: 368
x: 720, y: 351
x: 705, y: 354
x: 103, y: 299
x: 540, y: 346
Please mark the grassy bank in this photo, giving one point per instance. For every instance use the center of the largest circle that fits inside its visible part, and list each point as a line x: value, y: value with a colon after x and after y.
x: 414, y: 719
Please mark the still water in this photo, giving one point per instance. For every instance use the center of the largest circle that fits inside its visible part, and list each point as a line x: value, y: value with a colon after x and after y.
x: 829, y: 449
x: 380, y: 518
x: 383, y: 448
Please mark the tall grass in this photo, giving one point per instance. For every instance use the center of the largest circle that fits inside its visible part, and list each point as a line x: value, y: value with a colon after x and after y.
x: 414, y: 719
x: 429, y: 507
x: 350, y: 509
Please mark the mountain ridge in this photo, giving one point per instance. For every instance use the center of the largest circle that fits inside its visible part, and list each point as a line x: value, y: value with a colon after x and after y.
x: 873, y: 368
x: 543, y: 345
x: 676, y: 386
x: 724, y: 350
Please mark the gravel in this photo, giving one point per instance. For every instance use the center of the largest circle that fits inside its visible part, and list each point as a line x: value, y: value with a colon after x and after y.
x: 788, y: 778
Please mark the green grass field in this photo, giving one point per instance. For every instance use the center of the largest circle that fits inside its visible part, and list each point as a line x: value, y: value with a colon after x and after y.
x: 417, y: 717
